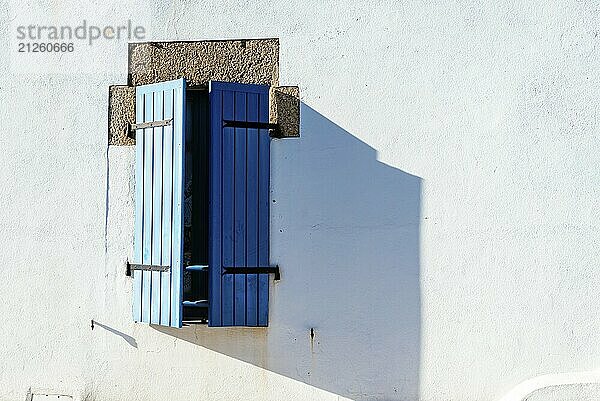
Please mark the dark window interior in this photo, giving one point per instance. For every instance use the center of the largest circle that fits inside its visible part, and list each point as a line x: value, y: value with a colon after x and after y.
x: 195, y: 292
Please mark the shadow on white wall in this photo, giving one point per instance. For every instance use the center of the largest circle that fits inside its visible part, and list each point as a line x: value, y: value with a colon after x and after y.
x: 345, y: 232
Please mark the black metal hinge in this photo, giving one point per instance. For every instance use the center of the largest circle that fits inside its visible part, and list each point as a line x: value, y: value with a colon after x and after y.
x: 150, y: 124
x: 274, y: 129
x: 254, y: 270
x: 153, y: 268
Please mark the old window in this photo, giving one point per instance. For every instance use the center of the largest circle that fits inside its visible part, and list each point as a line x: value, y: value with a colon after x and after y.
x: 201, y: 242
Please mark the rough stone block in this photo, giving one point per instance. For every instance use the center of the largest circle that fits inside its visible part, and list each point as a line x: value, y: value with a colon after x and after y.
x: 252, y: 61
x: 121, y: 113
x: 285, y: 110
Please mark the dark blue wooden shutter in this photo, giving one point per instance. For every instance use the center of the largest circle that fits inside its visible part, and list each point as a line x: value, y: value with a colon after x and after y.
x: 238, y: 205
x: 159, y: 175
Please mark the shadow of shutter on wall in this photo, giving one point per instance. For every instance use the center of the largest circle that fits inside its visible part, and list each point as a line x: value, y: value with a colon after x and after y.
x: 239, y: 205
x: 159, y: 174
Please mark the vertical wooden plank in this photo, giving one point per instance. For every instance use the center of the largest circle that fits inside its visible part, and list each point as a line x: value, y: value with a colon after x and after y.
x: 155, y: 285
x: 227, y: 214
x: 264, y: 173
x: 215, y: 186
x: 167, y: 200
x: 139, y: 208
x: 239, y: 212
x: 178, y: 188
x: 252, y: 212
x: 148, y: 204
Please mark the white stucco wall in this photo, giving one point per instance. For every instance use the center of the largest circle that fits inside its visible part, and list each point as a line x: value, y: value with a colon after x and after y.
x: 436, y: 224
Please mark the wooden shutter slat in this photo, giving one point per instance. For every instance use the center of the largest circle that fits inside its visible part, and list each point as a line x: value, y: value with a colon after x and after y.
x: 239, y: 210
x: 252, y: 212
x: 167, y: 204
x: 264, y: 174
x: 147, y: 201
x: 157, y: 206
x: 215, y: 207
x: 227, y: 223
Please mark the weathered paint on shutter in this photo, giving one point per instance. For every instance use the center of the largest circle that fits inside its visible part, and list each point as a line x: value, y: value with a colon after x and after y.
x: 239, y: 205
x: 159, y: 175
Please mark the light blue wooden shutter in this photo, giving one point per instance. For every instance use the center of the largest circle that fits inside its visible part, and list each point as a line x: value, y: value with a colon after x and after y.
x: 239, y: 204
x: 159, y: 177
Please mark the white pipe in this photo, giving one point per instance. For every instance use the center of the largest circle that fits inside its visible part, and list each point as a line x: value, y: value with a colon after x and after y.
x: 522, y: 390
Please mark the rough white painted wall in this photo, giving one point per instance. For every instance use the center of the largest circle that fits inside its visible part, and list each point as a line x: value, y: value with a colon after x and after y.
x: 437, y: 223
